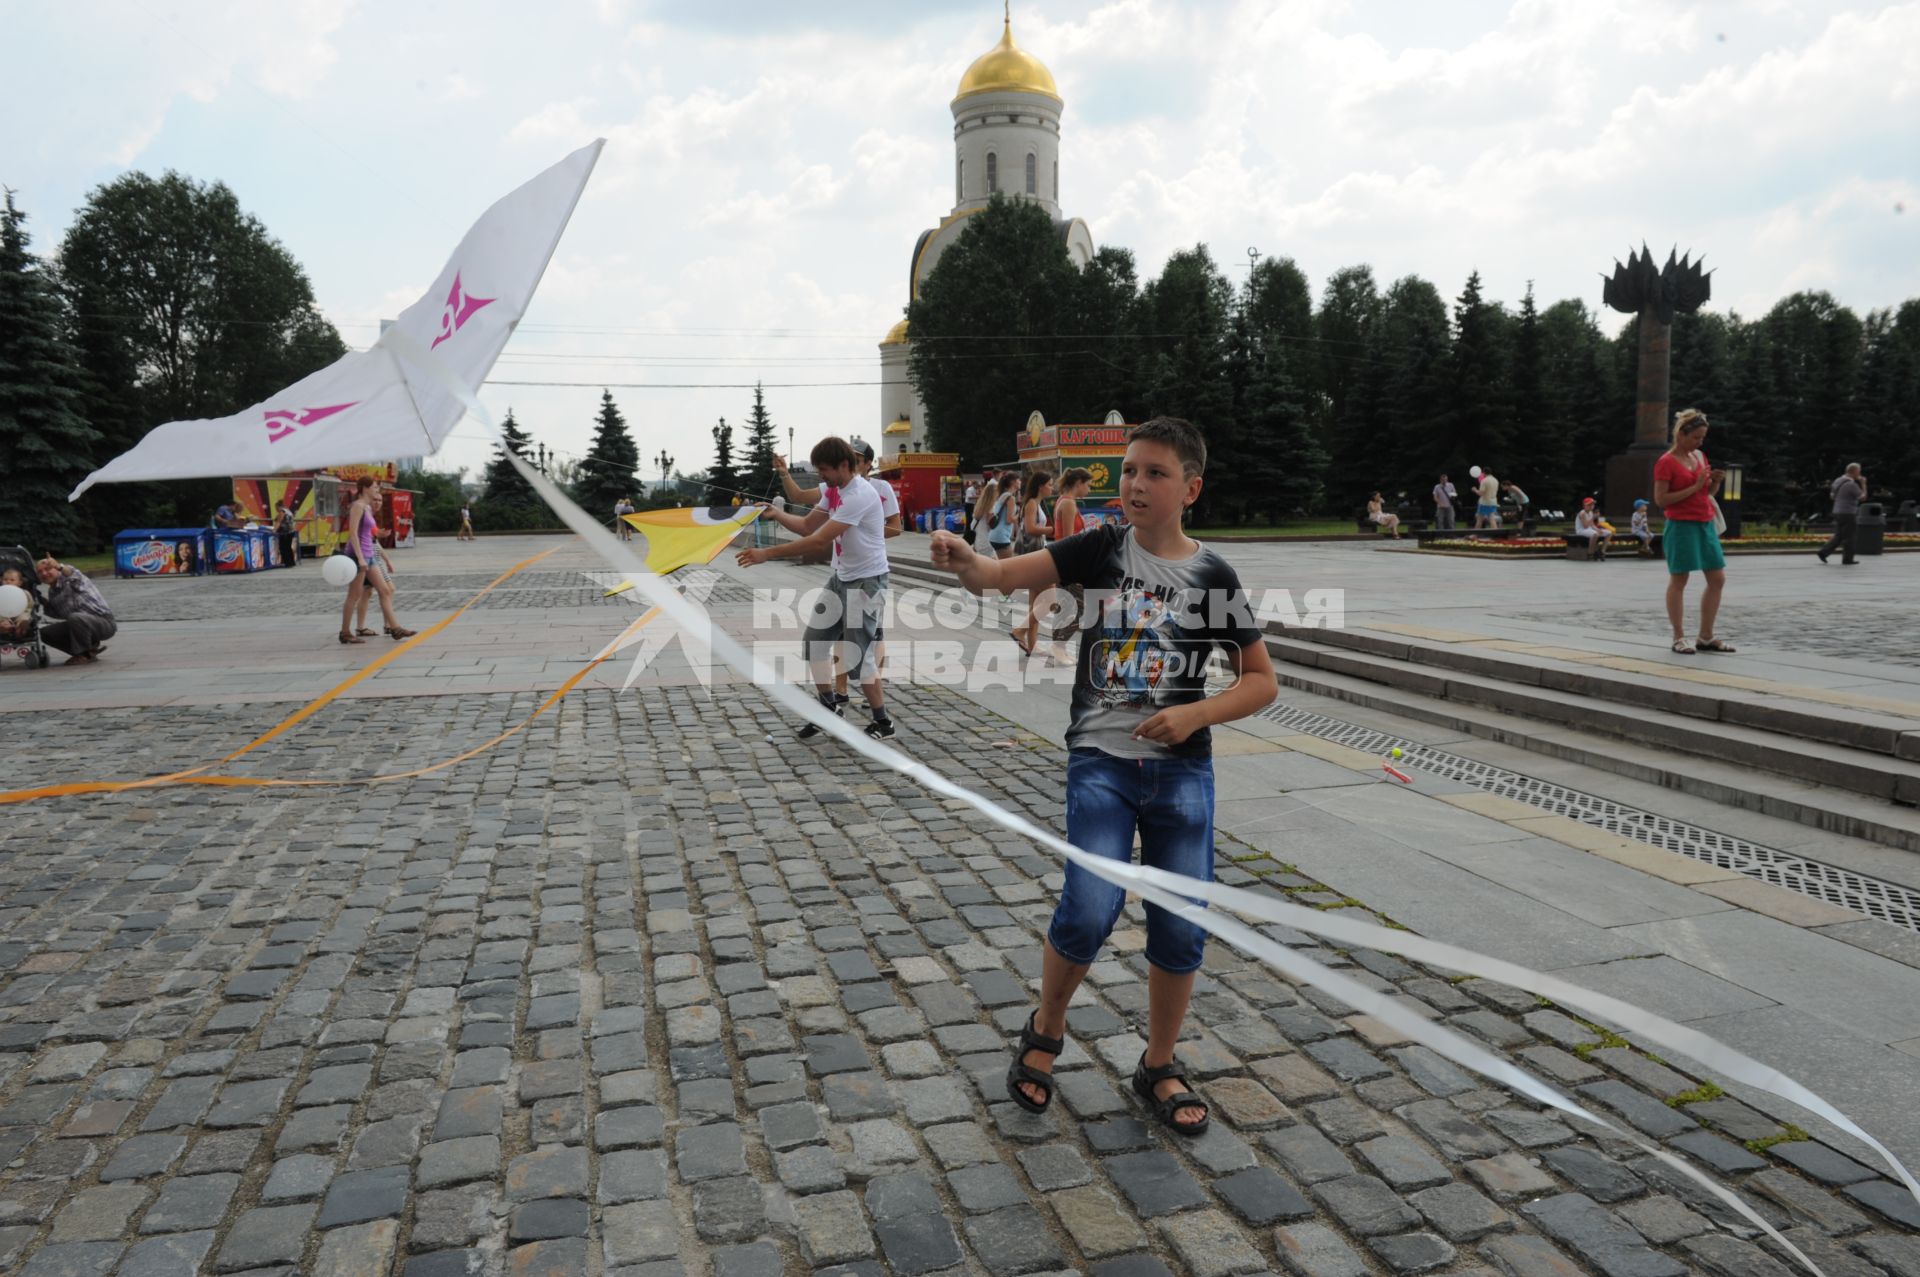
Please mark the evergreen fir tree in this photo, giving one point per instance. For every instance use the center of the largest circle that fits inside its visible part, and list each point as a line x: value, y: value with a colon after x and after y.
x: 45, y: 444
x: 722, y: 479
x: 505, y: 488
x: 611, y: 468
x: 1547, y: 449
x: 1479, y: 423
x: 757, y: 479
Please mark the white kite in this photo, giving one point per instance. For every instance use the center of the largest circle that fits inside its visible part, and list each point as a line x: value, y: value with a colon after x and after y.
x: 369, y: 406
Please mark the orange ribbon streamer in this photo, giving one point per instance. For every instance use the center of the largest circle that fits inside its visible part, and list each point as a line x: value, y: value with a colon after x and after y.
x: 194, y: 776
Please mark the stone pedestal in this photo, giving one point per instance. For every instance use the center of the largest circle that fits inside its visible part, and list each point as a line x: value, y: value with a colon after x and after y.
x: 1630, y: 476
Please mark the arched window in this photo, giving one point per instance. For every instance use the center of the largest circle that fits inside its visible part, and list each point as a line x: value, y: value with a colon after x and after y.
x: 959, y: 179
x: 993, y: 172
x: 1033, y: 183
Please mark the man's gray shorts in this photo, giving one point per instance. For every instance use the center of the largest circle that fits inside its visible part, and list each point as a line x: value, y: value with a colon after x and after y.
x: 846, y: 619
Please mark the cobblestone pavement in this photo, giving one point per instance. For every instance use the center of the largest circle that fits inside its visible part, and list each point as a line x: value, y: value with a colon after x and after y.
x: 301, y: 592
x: 642, y: 992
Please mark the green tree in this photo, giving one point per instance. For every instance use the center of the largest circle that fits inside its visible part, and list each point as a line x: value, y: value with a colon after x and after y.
x: 1100, y: 341
x: 437, y: 508
x: 1407, y: 401
x: 1275, y: 465
x: 184, y: 306
x: 611, y: 467
x: 1187, y: 314
x: 757, y: 478
x: 1814, y: 353
x: 507, y: 495
x: 45, y: 444
x: 1579, y: 406
x: 722, y: 479
x: 1540, y: 455
x: 1890, y: 400
x: 1478, y: 426
x: 987, y: 331
x: 1342, y: 328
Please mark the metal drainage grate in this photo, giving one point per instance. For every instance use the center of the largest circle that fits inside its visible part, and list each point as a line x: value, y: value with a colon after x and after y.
x: 1887, y: 901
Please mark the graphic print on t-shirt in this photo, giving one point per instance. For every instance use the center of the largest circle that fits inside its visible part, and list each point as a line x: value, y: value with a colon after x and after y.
x: 1137, y: 642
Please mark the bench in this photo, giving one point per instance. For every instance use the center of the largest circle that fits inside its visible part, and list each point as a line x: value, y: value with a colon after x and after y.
x: 1624, y: 544
x: 1408, y: 523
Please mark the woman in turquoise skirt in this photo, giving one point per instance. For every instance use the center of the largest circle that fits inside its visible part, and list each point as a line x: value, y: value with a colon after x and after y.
x: 1683, y: 486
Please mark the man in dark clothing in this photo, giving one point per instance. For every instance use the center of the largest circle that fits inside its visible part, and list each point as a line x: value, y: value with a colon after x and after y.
x: 1849, y: 490
x: 82, y: 621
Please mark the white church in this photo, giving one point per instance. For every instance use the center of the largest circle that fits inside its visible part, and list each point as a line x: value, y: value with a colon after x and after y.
x: 1006, y: 140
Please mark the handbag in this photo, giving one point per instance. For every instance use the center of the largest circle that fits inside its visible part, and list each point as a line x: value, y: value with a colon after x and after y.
x: 1719, y: 518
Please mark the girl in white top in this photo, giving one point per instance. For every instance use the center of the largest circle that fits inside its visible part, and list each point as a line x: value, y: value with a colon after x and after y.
x: 1587, y: 524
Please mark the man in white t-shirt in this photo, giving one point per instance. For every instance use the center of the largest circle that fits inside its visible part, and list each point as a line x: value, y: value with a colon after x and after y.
x: 846, y: 621
x: 972, y: 494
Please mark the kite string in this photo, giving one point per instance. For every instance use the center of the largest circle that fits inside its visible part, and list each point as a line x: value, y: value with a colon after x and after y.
x: 1442, y: 1040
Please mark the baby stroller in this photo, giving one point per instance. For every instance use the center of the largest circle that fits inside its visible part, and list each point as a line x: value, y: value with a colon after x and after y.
x: 21, y: 637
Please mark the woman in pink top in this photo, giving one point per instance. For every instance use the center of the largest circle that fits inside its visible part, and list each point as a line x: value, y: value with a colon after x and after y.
x: 376, y: 570
x: 1683, y: 486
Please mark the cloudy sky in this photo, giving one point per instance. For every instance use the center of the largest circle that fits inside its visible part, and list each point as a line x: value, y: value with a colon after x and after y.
x: 769, y: 164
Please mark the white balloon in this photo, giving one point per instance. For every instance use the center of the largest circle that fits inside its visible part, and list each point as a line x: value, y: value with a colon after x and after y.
x: 13, y: 602
x: 1474, y: 471
x: 339, y: 570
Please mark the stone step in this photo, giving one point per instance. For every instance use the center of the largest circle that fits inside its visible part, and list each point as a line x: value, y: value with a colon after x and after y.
x: 1659, y: 749
x: 1778, y: 712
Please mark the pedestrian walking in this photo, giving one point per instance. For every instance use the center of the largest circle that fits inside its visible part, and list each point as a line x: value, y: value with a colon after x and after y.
x: 1033, y: 535
x: 376, y: 569
x: 983, y: 504
x: 1139, y: 747
x: 1444, y: 495
x: 1075, y: 484
x: 1005, y: 514
x: 466, y: 523
x: 1849, y: 490
x: 1683, y: 486
x: 846, y: 619
x: 621, y: 509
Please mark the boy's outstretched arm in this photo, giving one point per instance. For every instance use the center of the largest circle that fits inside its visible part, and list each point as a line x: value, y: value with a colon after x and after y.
x: 979, y: 573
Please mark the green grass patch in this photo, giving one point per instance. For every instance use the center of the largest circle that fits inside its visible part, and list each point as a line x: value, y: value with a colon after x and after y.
x: 1789, y: 1134
x: 1704, y: 1091
x: 1608, y: 1038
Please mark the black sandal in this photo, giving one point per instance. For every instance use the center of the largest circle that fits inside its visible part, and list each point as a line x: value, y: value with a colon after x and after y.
x: 1020, y: 1071
x: 1146, y: 1077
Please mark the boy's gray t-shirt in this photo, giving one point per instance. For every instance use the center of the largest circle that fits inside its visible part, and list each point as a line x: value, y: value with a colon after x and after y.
x: 1149, y: 626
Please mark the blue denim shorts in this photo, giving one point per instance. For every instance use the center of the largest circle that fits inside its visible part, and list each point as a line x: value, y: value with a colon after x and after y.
x: 1170, y: 802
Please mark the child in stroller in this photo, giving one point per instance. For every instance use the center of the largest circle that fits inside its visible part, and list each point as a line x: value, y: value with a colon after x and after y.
x: 20, y: 636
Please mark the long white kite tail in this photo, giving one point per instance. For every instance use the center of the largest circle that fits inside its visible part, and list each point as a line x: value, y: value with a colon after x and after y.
x: 1184, y: 895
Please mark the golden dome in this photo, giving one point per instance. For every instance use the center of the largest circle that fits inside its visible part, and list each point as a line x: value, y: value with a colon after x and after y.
x: 896, y: 335
x: 1007, y: 67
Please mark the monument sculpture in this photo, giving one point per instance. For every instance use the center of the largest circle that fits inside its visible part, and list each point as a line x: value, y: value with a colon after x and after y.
x: 1656, y: 295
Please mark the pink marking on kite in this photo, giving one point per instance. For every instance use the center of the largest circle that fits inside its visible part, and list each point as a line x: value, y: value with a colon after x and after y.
x: 281, y: 422
x: 459, y: 309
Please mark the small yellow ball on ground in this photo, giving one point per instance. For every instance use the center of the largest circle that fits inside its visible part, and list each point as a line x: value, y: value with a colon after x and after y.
x: 1396, y: 752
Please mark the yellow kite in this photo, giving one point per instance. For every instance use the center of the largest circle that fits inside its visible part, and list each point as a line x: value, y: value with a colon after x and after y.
x: 692, y: 534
